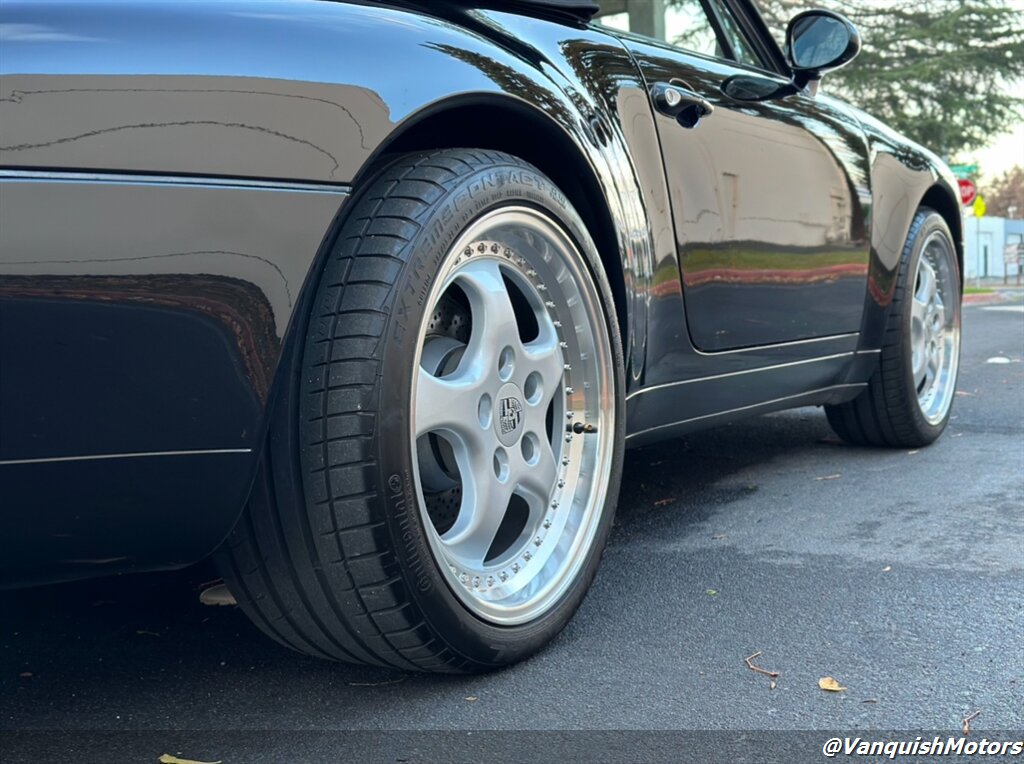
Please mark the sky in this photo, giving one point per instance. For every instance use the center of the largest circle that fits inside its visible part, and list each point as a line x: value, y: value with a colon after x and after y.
x: 1005, y: 152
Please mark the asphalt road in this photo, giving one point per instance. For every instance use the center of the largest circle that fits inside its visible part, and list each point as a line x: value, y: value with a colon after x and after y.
x: 898, y: 573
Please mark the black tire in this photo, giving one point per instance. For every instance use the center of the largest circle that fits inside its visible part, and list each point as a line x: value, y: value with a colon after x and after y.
x: 331, y: 557
x: 888, y: 412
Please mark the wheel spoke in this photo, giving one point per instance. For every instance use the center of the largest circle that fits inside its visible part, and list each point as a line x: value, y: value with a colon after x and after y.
x: 494, y: 320
x: 535, y: 482
x: 484, y: 505
x: 927, y: 283
x: 447, y: 404
x: 919, y: 364
x: 544, y: 356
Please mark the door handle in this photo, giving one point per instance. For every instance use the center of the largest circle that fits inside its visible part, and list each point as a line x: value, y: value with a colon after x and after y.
x: 680, y: 103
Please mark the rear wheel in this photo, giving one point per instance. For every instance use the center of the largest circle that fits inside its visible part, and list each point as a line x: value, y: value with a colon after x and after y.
x: 908, y: 399
x: 457, y: 437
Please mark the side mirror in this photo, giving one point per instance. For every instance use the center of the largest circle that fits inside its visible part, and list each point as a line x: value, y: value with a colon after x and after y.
x: 819, y: 41
x: 816, y: 42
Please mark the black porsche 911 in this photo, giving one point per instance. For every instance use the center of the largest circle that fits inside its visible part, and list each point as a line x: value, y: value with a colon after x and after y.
x: 368, y: 299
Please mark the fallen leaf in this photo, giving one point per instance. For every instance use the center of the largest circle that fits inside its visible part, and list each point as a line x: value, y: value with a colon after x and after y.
x: 25, y: 674
x: 870, y: 700
x: 712, y: 592
x: 829, y: 477
x: 967, y: 722
x: 217, y: 595
x: 829, y: 684
x: 772, y: 684
x: 887, y: 568
x: 145, y: 632
x: 168, y: 759
x: 915, y: 451
x: 663, y: 502
x: 718, y: 537
x: 964, y: 394
x: 472, y: 698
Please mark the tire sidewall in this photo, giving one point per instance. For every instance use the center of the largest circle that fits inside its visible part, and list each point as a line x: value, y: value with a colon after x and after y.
x: 480, y: 643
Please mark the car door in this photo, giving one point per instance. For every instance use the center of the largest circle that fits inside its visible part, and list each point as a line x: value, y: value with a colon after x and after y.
x: 770, y: 199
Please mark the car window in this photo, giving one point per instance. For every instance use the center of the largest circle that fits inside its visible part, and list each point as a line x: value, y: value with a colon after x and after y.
x: 688, y: 24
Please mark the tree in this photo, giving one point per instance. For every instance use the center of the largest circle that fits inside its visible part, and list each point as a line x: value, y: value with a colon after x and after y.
x: 1004, y: 197
x: 943, y: 72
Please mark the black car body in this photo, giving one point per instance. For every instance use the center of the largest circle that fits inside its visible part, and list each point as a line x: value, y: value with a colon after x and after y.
x: 171, y: 175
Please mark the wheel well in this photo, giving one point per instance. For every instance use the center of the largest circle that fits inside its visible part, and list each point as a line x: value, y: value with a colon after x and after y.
x: 517, y: 130
x: 939, y: 199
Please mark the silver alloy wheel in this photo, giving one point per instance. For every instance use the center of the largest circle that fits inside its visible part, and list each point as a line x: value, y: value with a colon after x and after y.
x: 935, y: 328
x: 513, y: 417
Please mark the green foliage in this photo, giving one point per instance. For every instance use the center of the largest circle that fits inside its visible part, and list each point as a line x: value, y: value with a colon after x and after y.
x: 946, y: 73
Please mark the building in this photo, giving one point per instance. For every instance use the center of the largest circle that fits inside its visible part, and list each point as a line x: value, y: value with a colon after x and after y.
x: 984, y: 242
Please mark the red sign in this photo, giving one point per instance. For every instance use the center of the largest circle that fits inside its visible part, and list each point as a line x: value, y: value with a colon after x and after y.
x: 968, y: 192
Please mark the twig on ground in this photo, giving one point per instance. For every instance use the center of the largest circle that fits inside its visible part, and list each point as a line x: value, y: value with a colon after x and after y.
x: 967, y: 721
x: 758, y: 669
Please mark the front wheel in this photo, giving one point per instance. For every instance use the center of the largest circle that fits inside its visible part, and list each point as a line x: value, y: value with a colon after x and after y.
x: 458, y: 434
x: 908, y: 399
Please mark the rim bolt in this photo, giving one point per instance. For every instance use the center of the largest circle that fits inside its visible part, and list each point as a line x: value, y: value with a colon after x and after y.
x: 557, y: 324
x: 494, y: 248
x: 568, y: 415
x: 567, y: 367
x: 563, y: 345
x: 541, y: 288
x: 503, y: 576
x: 554, y: 504
x: 527, y: 556
x: 549, y: 304
x: 561, y: 483
x: 468, y: 251
x: 568, y: 391
x: 538, y: 541
x: 568, y: 438
x: 481, y: 248
x: 476, y: 582
x: 565, y: 461
x: 531, y: 272
x: 515, y: 567
x: 521, y: 260
x: 547, y: 524
x: 490, y: 580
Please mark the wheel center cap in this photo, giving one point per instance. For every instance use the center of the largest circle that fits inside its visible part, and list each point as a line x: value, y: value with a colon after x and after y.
x: 508, y: 424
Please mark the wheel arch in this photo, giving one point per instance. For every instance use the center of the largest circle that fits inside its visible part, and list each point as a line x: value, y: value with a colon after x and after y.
x: 521, y: 130
x: 939, y: 198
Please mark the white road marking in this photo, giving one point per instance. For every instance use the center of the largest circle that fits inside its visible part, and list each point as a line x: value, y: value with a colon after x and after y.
x: 1006, y: 308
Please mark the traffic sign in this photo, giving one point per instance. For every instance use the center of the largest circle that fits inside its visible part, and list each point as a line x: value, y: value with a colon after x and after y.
x: 1013, y: 253
x: 968, y: 191
x: 964, y: 170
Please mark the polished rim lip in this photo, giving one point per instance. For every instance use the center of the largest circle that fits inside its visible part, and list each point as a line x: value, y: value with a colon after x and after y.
x: 939, y: 396
x: 551, y: 592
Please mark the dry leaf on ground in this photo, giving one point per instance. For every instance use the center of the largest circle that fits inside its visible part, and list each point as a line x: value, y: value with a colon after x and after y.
x: 168, y: 759
x: 829, y: 477
x: 828, y: 684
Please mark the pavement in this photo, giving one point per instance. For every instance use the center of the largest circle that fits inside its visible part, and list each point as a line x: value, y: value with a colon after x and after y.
x: 899, y: 573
